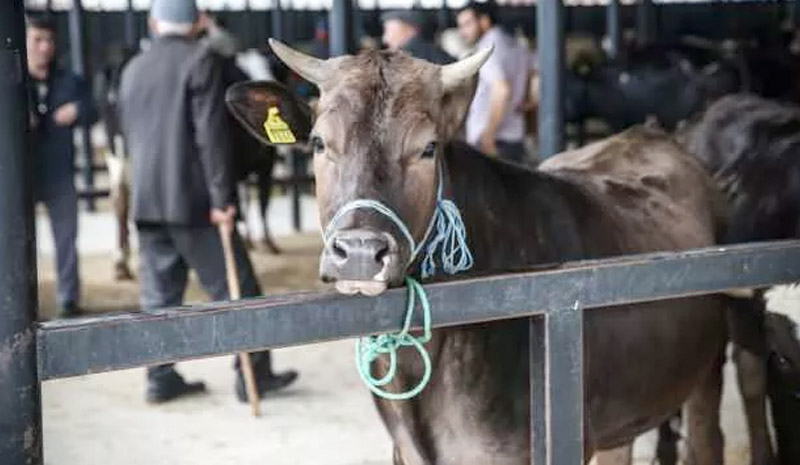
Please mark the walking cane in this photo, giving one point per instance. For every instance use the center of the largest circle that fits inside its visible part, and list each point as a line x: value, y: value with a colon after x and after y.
x: 235, y: 292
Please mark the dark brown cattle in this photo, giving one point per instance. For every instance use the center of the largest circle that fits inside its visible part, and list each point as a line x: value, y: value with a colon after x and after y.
x: 752, y: 147
x: 383, y: 131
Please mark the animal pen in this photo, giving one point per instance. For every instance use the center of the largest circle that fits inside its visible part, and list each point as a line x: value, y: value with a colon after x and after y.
x: 554, y: 299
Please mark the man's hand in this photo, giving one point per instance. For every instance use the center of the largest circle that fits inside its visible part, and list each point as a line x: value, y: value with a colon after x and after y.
x: 489, y: 143
x: 66, y: 115
x: 225, y: 217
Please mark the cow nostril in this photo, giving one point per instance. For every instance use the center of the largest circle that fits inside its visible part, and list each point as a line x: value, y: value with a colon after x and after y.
x: 383, y: 250
x: 338, y: 250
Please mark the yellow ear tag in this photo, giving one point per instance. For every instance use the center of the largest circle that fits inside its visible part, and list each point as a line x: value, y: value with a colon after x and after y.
x: 278, y: 132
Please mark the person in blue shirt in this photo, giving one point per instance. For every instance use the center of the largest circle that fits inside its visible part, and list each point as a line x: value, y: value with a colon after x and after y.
x: 58, y: 102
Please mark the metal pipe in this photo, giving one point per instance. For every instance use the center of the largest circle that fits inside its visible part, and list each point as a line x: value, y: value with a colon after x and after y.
x: 131, y: 27
x: 443, y: 17
x: 537, y: 375
x: 550, y: 36
x: 77, y: 42
x: 113, y: 342
x: 613, y: 28
x: 276, y: 21
x: 20, y: 399
x: 341, y: 26
x: 645, y: 22
x: 564, y: 385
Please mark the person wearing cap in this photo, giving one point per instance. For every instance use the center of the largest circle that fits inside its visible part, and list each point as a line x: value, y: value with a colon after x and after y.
x: 173, y: 117
x: 402, y: 30
x: 496, y: 118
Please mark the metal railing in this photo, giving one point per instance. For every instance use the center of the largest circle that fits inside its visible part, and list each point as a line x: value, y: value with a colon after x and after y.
x: 554, y: 299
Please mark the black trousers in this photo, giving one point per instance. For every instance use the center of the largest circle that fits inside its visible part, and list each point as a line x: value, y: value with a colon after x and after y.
x: 167, y: 253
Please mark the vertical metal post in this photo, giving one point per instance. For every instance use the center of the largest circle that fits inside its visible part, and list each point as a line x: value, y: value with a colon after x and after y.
x: 794, y: 13
x: 78, y: 50
x: 131, y: 28
x: 276, y: 21
x: 645, y: 22
x: 443, y: 17
x: 341, y: 27
x: 249, y: 26
x: 550, y: 37
x: 20, y: 399
x: 613, y: 28
x: 564, y: 386
x: 537, y: 392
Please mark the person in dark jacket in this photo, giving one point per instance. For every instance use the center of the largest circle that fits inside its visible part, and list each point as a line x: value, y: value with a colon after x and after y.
x: 402, y: 30
x: 58, y: 100
x: 173, y: 116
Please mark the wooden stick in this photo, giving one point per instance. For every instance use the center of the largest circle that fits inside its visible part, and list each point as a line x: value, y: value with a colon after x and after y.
x: 235, y: 293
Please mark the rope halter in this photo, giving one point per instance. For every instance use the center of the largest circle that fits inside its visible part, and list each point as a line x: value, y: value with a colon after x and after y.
x: 449, y: 237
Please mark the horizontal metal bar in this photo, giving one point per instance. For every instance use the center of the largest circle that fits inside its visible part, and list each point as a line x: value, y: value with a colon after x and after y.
x: 76, y: 347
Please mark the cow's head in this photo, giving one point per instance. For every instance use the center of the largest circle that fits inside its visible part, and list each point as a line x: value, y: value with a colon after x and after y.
x: 378, y: 132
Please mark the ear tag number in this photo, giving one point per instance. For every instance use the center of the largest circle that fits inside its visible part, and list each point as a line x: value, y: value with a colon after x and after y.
x: 278, y: 131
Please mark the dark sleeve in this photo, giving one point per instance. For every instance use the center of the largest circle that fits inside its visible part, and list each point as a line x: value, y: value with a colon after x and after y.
x: 210, y: 128
x: 87, y: 113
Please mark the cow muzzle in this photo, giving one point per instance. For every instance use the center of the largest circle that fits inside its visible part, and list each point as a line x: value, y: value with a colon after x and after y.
x: 361, y: 261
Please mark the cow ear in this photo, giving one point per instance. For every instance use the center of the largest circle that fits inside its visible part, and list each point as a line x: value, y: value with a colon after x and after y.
x: 270, y: 112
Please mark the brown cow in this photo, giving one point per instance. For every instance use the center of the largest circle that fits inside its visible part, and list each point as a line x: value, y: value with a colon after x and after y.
x: 383, y: 131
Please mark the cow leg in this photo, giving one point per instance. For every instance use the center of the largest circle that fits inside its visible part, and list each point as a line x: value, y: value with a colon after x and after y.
x: 705, y: 442
x: 750, y: 356
x: 396, y: 458
x: 619, y: 456
x: 120, y: 200
x: 264, y: 195
x: 122, y: 271
x: 244, y: 197
x: 668, y: 436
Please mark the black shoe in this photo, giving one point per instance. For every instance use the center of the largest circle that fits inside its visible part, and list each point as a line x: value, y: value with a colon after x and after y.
x: 69, y: 311
x: 265, y: 384
x: 170, y: 386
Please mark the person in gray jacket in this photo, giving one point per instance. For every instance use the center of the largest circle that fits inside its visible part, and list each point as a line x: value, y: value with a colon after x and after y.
x: 173, y: 118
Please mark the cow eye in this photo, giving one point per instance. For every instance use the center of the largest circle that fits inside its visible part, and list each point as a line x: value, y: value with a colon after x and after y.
x: 317, y: 145
x: 429, y: 151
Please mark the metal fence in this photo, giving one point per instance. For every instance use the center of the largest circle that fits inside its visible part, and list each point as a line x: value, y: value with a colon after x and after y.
x: 553, y: 299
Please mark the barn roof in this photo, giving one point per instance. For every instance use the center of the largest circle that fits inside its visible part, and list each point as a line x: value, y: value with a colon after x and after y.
x: 116, y: 5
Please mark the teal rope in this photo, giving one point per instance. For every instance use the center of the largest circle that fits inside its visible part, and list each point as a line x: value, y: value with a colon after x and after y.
x: 370, y: 348
x: 450, y: 239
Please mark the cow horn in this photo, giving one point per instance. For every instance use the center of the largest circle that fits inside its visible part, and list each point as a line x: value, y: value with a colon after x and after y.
x: 312, y: 69
x: 453, y: 75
